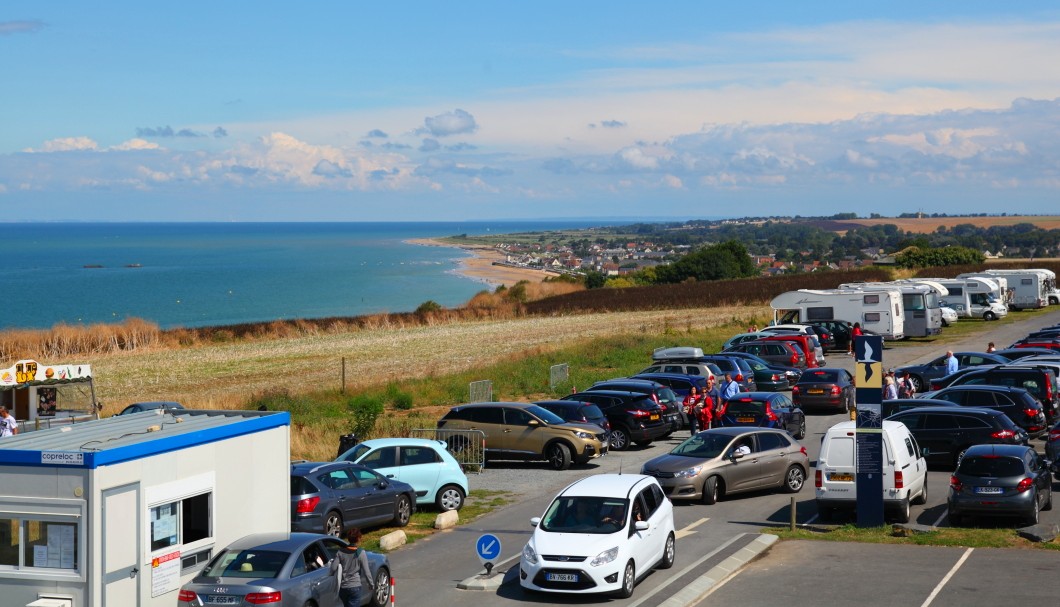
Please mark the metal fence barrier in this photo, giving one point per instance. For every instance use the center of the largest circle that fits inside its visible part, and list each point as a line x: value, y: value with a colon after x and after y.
x: 558, y: 374
x: 467, y: 446
x: 480, y: 391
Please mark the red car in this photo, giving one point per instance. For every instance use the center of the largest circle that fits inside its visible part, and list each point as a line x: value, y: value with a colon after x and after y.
x: 804, y: 342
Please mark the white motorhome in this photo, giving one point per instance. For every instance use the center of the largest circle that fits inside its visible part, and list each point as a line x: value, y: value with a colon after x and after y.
x: 1051, y: 292
x: 923, y: 312
x: 973, y: 297
x: 881, y: 312
x: 1030, y: 288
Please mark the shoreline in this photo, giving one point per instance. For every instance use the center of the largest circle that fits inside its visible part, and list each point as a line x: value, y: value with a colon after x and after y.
x: 480, y: 266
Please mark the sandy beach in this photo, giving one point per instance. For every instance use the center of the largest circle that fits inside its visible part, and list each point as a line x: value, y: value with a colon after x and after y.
x: 480, y: 267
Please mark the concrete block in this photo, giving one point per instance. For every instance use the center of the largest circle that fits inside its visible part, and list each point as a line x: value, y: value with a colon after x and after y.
x: 447, y: 519
x: 392, y: 540
x: 1044, y: 532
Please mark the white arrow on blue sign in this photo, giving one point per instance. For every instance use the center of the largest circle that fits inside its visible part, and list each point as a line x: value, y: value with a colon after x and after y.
x: 488, y: 547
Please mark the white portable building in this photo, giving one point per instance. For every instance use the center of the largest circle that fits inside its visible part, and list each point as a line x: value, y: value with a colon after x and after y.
x: 119, y: 512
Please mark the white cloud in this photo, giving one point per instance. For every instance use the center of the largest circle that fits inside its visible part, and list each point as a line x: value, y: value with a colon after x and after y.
x: 67, y: 144
x: 136, y: 144
x: 456, y: 122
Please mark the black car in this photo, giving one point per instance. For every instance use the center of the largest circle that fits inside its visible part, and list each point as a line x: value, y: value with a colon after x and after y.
x: 1000, y: 480
x: 670, y: 403
x: 577, y: 411
x: 839, y: 331
x: 1018, y: 404
x: 829, y: 387
x: 773, y: 352
x: 681, y: 384
x: 921, y: 375
x: 330, y: 497
x: 897, y: 405
x: 635, y: 417
x: 769, y: 377
x: 945, y: 433
x: 763, y: 409
x: 946, y: 380
x: 1040, y: 381
x: 1018, y: 353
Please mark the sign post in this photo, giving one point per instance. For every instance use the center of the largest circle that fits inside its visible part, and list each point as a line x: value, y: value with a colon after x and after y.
x: 488, y: 548
x: 868, y: 382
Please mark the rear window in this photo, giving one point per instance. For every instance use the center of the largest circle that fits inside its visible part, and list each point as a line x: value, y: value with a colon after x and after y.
x: 841, y: 451
x: 592, y: 412
x: 991, y: 466
x: 819, y: 376
x: 252, y: 563
x: 300, y: 486
x: 745, y: 406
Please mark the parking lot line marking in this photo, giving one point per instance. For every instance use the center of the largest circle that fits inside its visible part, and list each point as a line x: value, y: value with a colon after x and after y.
x: 811, y: 520
x: 939, y: 520
x: 682, y: 572
x: 688, y: 530
x: 946, y: 579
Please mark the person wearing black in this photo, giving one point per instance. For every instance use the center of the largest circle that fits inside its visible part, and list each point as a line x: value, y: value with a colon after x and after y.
x: 354, y: 565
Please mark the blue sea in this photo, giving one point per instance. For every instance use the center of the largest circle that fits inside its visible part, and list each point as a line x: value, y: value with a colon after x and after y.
x: 207, y: 274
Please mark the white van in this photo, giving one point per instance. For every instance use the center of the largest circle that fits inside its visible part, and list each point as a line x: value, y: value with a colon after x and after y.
x: 904, y: 471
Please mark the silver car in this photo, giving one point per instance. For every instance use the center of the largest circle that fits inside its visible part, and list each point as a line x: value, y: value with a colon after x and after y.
x: 721, y: 461
x: 282, y: 569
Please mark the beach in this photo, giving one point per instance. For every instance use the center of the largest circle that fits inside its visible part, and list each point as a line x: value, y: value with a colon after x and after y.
x: 481, y: 265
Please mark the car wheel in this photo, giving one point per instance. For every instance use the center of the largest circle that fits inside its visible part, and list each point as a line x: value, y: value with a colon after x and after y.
x: 989, y: 316
x: 669, y: 553
x: 402, y: 511
x: 710, y: 490
x: 558, y: 455
x: 945, y: 323
x: 381, y: 595
x: 333, y: 524
x: 794, y: 479
x: 1032, y: 518
x: 918, y: 383
x: 619, y: 439
x: 923, y: 497
x: 629, y: 579
x: 450, y: 497
x: 801, y: 434
x: 902, y: 514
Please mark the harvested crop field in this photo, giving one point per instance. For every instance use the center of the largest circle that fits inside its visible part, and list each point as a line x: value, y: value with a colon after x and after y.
x: 930, y: 224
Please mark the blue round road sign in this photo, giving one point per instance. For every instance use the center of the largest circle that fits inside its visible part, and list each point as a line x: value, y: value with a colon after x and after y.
x: 488, y: 548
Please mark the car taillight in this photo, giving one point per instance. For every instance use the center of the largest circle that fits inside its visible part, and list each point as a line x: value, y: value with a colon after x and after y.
x: 899, y: 482
x: 803, y: 451
x: 835, y: 390
x: 307, y: 505
x: 816, y: 477
x: 263, y: 598
x: 795, y: 390
x: 1003, y: 434
x: 794, y: 360
x: 1024, y: 485
x: 187, y: 596
x: 739, y: 377
x: 775, y: 377
x: 1054, y: 434
x: 1030, y: 412
x: 640, y: 413
x: 955, y: 484
x: 769, y: 413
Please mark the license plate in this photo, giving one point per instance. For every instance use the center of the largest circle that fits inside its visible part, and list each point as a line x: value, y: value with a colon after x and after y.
x: 222, y: 600
x: 988, y: 490
x: 745, y: 420
x: 840, y: 476
x: 815, y: 391
x: 654, y: 417
x: 561, y: 577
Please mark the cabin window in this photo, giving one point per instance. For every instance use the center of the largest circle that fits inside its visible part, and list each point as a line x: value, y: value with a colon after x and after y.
x: 32, y: 542
x: 872, y: 317
x: 870, y: 299
x: 181, y: 522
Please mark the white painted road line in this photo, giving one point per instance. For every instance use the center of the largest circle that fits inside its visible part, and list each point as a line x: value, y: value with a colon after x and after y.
x: 939, y: 520
x: 690, y: 529
x: 946, y: 579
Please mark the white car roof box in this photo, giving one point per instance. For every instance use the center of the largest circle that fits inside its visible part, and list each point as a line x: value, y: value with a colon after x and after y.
x: 676, y: 352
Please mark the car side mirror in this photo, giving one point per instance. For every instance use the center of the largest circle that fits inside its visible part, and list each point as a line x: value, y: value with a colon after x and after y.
x: 535, y: 521
x: 735, y: 456
x: 640, y: 525
x: 533, y: 423
x: 383, y: 484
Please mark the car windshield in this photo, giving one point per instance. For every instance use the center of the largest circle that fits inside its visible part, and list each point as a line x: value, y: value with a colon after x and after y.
x: 356, y: 453
x: 705, y: 445
x: 814, y: 377
x: 545, y: 415
x: 667, y: 395
x: 990, y: 466
x: 250, y: 563
x: 757, y: 366
x: 581, y: 514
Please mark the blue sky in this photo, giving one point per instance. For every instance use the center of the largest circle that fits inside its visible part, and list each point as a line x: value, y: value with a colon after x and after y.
x: 357, y: 111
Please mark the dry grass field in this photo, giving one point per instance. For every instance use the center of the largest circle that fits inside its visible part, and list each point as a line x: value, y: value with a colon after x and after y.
x: 930, y: 224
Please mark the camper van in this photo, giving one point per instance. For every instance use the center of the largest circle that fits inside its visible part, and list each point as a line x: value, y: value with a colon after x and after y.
x: 973, y: 297
x: 923, y: 312
x: 904, y: 470
x: 1030, y: 288
x: 881, y: 312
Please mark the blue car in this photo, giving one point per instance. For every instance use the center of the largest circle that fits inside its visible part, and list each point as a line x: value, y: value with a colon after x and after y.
x: 425, y: 464
x: 765, y: 410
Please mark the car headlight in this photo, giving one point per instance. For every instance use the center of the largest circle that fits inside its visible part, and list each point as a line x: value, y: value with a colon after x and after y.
x: 687, y: 472
x: 584, y: 435
x: 529, y: 553
x: 605, y: 557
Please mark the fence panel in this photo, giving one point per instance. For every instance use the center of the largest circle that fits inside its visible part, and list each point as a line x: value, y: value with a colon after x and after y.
x: 558, y: 374
x: 467, y: 446
x: 480, y: 391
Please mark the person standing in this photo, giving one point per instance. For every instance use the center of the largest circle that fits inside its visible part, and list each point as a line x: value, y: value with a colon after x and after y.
x: 951, y: 363
x: 905, y: 386
x: 8, y: 423
x: 854, y: 332
x: 990, y: 347
x: 711, y: 404
x: 354, y: 565
x: 890, y: 391
x: 693, y: 403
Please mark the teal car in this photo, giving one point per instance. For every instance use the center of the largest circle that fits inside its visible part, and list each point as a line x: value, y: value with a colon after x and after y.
x: 425, y: 464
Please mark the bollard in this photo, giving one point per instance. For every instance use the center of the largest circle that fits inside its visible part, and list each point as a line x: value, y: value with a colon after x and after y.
x: 392, y: 592
x: 853, y: 414
x: 792, y: 526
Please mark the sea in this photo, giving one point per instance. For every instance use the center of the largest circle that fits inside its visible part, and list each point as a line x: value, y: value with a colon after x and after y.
x: 211, y: 274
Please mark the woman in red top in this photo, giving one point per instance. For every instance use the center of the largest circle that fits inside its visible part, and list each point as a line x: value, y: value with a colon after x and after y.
x: 692, y: 403
x: 855, y: 332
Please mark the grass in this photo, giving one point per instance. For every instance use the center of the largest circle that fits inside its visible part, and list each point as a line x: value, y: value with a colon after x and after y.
x: 479, y: 503
x: 943, y: 536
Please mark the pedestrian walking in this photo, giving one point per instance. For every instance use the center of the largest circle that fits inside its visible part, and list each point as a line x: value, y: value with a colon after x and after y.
x: 351, y: 565
x: 8, y: 423
x: 951, y: 363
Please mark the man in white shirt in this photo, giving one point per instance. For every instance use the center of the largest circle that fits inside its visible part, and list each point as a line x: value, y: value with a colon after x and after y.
x: 8, y: 424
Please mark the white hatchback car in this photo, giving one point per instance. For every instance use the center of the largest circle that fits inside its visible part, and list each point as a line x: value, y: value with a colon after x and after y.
x: 600, y: 534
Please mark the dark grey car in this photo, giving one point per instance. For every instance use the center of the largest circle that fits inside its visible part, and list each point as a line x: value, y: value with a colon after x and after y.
x: 280, y: 569
x: 329, y: 497
x: 1000, y: 480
